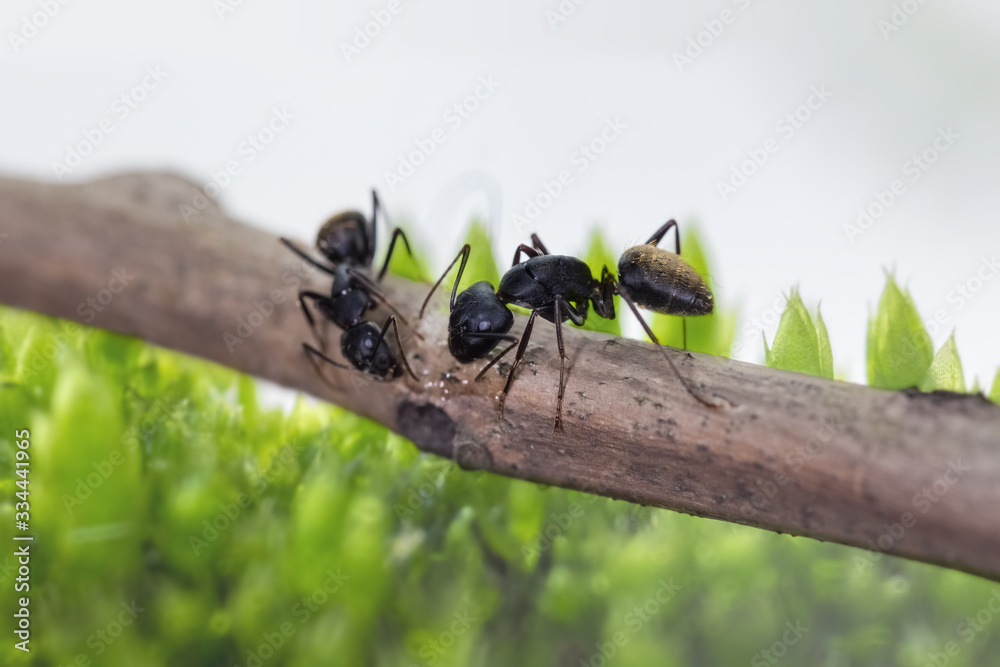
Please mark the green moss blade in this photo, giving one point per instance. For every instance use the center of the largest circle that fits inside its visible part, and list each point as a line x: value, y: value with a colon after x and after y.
x: 825, y: 350
x: 995, y: 390
x: 797, y: 345
x: 945, y: 371
x: 899, y: 348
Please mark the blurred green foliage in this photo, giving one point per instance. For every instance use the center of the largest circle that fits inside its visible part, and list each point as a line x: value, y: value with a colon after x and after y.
x: 178, y: 521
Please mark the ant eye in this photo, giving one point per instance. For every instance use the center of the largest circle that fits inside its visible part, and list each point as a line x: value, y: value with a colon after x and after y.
x: 369, y: 344
x: 484, y: 326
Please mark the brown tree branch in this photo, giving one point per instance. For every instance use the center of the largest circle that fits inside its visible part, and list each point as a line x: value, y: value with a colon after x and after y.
x: 909, y: 474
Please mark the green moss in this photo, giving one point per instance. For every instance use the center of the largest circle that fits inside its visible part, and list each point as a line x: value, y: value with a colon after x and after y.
x: 899, y: 348
x: 801, y: 343
x: 945, y: 371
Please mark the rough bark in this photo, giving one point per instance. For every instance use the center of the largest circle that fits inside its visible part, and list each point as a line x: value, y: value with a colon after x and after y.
x: 909, y: 474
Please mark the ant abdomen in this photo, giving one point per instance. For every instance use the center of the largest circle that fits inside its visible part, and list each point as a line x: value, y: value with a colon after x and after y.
x: 341, y: 238
x: 663, y: 282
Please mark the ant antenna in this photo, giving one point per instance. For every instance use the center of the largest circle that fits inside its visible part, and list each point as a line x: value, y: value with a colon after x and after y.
x: 294, y: 248
x: 463, y: 254
x: 311, y: 354
x: 399, y: 343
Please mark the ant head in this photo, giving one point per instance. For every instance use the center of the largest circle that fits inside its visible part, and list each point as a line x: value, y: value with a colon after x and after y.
x: 477, y: 322
x: 365, y: 347
x: 343, y: 239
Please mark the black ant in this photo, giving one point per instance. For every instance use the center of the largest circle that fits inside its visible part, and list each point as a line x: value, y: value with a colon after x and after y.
x: 560, y: 287
x: 348, y: 241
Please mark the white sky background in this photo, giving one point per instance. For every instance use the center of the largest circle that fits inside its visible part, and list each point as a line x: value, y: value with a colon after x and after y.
x: 686, y: 128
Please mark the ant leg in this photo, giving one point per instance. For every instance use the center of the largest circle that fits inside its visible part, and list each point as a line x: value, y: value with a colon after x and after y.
x: 311, y: 354
x: 399, y: 343
x: 537, y: 242
x: 662, y: 231
x: 464, y: 255
x: 562, y: 364
x: 396, y: 233
x: 315, y: 296
x: 373, y: 290
x: 517, y: 360
x: 576, y: 314
x: 291, y: 246
x: 649, y: 332
x: 527, y: 250
x: 605, y: 305
x: 510, y: 339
